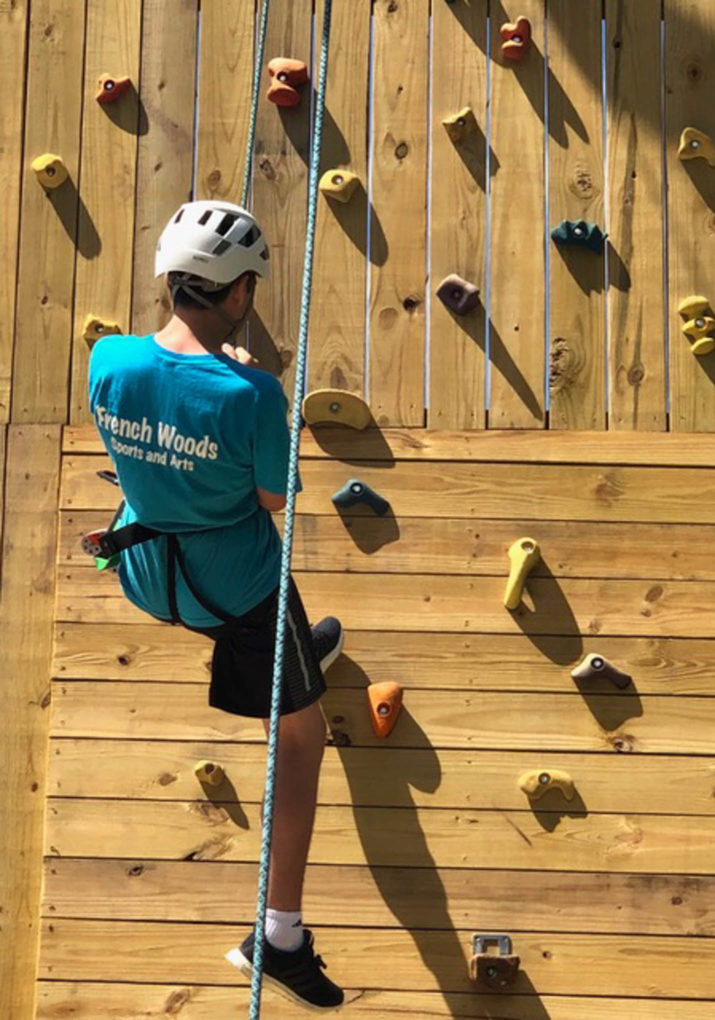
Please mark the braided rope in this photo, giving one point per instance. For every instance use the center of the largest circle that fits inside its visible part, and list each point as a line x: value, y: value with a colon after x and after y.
x: 257, y: 970
x: 257, y: 68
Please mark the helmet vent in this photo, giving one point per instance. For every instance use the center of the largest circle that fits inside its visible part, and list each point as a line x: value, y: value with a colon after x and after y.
x: 206, y: 217
x: 250, y: 238
x: 221, y: 247
x: 179, y: 215
x: 226, y: 223
x: 264, y: 254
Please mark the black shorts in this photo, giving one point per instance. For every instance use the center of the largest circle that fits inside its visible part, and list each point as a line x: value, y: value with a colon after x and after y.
x: 242, y: 664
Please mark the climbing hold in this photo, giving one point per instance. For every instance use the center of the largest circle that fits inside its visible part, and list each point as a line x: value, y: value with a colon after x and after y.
x: 355, y: 491
x: 111, y: 89
x: 578, y: 232
x: 287, y: 76
x: 594, y: 666
x: 50, y: 170
x: 209, y: 772
x: 336, y: 407
x: 524, y: 554
x: 339, y: 184
x: 385, y: 702
x: 700, y: 322
x: 461, y: 124
x: 95, y: 328
x: 517, y: 38
x: 695, y: 144
x: 496, y: 972
x: 457, y: 294
x: 535, y: 784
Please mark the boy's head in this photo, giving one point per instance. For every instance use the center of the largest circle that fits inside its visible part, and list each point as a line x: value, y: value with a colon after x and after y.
x: 212, y: 253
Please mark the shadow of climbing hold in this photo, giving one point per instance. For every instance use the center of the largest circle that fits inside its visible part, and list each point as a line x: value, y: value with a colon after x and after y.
x: 50, y: 170
x: 595, y: 666
x: 385, y: 702
x: 524, y: 554
x: 536, y: 783
x: 457, y: 294
x: 339, y: 184
x: 355, y: 491
x: 111, y: 89
x: 696, y: 144
x: 209, y: 772
x: 517, y: 39
x: 461, y: 124
x: 336, y: 407
x: 95, y: 328
x: 287, y: 77
x: 495, y: 972
x: 578, y: 232
x: 699, y: 323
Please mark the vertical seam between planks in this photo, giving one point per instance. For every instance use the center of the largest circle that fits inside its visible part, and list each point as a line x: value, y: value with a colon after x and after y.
x: 665, y: 225
x: 136, y: 172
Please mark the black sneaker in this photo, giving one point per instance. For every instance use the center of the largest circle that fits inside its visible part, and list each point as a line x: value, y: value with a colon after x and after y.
x: 328, y: 640
x: 296, y: 975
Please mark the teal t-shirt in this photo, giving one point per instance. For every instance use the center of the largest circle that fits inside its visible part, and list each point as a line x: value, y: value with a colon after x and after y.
x: 191, y: 437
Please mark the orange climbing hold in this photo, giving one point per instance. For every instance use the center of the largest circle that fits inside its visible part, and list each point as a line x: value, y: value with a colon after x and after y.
x: 385, y: 701
x: 517, y: 39
x: 111, y: 89
x: 286, y: 77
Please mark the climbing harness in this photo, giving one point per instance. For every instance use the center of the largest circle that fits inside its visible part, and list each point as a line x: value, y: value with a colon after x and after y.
x: 112, y: 542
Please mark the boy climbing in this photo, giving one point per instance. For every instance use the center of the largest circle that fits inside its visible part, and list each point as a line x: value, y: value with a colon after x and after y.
x: 199, y: 439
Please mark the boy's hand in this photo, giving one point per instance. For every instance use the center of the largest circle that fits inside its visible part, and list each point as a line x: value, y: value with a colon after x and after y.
x: 241, y: 355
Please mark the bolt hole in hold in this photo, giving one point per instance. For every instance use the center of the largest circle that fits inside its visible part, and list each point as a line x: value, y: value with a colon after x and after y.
x: 337, y: 179
x: 335, y: 408
x: 282, y: 77
x: 357, y: 488
x: 383, y: 708
x: 544, y: 778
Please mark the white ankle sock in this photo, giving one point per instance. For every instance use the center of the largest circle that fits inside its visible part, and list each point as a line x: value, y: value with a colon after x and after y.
x: 284, y: 929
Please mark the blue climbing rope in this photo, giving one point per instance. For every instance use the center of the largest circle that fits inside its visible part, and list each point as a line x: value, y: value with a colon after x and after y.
x: 257, y: 970
x: 257, y: 68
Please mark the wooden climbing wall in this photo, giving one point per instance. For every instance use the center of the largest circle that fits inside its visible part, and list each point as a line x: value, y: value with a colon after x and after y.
x: 121, y: 882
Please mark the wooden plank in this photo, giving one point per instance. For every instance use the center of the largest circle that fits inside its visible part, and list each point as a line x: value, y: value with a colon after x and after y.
x: 336, y: 348
x: 363, y: 544
x: 45, y: 277
x: 461, y: 490
x: 226, y: 64
x: 497, y: 662
x: 387, y: 898
x: 14, y: 30
x: 105, y: 238
x: 636, y: 335
x: 208, y: 1002
x: 517, y: 299
x: 432, y: 603
x: 280, y: 189
x: 689, y: 31
x: 399, y: 212
x: 26, y: 604
x: 388, y: 837
x: 676, y: 450
x: 659, y: 966
x: 432, y: 778
x: 435, y: 718
x: 165, y: 147
x: 458, y: 214
x: 576, y: 192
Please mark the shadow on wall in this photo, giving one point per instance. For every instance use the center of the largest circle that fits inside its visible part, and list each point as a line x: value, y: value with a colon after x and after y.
x: 422, y: 909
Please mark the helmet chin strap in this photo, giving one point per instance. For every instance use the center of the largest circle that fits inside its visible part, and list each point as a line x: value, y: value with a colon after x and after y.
x: 198, y: 296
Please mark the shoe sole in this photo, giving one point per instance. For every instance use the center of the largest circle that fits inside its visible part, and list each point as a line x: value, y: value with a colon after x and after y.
x: 236, y: 957
x: 330, y: 658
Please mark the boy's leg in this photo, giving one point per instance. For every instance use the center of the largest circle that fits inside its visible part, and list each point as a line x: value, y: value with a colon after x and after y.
x: 301, y: 745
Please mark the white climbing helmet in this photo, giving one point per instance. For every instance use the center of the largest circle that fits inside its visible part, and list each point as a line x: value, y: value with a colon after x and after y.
x: 211, y: 243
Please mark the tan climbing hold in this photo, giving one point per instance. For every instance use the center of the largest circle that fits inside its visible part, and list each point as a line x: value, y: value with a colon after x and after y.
x: 336, y: 407
x: 535, y: 784
x: 339, y: 184
x: 461, y: 124
x: 595, y: 666
x: 50, y: 170
x: 209, y: 772
x: 700, y: 323
x: 696, y: 144
x: 524, y: 555
x: 95, y: 328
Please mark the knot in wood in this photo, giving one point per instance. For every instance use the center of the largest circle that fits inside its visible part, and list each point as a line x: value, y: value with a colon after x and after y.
x: 402, y: 150
x: 636, y: 374
x: 214, y: 178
